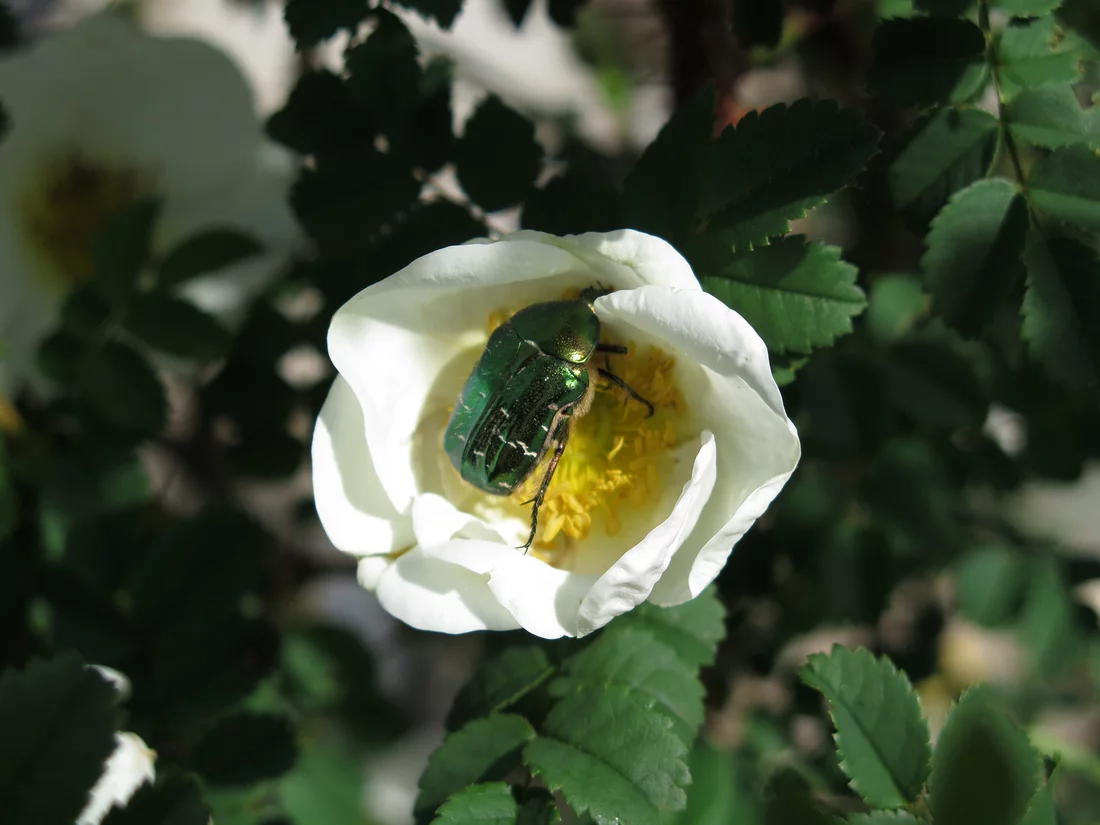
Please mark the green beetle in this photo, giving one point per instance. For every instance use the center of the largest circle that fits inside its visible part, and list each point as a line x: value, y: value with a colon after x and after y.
x: 532, y: 381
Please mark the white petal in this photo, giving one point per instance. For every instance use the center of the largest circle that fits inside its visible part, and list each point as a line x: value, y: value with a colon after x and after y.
x: 630, y: 580
x: 543, y: 599
x: 731, y: 392
x: 654, y: 259
x: 353, y: 508
x: 432, y: 594
x: 128, y: 768
x: 175, y: 106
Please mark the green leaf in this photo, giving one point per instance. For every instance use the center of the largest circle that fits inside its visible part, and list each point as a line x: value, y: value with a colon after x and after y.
x: 1051, y: 116
x: 443, y: 12
x: 121, y: 387
x: 721, y: 790
x: 1066, y: 185
x: 1039, y: 53
x: 693, y: 629
x: 346, y: 199
x: 178, y: 327
x: 1047, y: 626
x: 894, y: 305
x: 539, y: 808
x: 989, y: 584
x: 633, y: 658
x: 884, y: 818
x: 59, y: 721
x: 499, y: 682
x: 797, y: 295
x: 661, y: 193
x: 611, y: 756
x: 311, y: 21
x: 974, y: 248
x: 174, y: 800
x: 1061, y: 310
x: 948, y: 151
x: 326, y: 786
x: 383, y: 71
x: 319, y: 116
x: 1026, y: 8
x: 944, y: 8
x: 484, y: 750
x: 880, y: 734
x: 777, y: 164
x: 122, y: 248
x: 204, y: 253
x: 497, y: 158
x: 1042, y: 810
x: 983, y: 771
x: 488, y: 804
x: 246, y: 748
x: 84, y: 313
x: 789, y: 800
x: 581, y: 200
x: 922, y: 60
x: 426, y: 228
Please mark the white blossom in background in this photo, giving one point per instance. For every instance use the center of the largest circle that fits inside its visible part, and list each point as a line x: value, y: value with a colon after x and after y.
x: 641, y: 508
x: 103, y: 115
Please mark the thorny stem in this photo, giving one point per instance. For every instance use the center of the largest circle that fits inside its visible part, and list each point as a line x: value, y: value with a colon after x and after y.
x: 991, y: 58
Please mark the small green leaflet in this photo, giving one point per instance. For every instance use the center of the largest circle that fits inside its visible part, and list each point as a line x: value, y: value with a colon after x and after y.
x: 485, y: 749
x: 777, y: 164
x: 488, y: 804
x: 1062, y: 310
x: 499, y: 682
x: 497, y: 158
x: 661, y: 193
x: 949, y: 150
x: 989, y: 582
x: 797, y: 295
x: 1038, y: 53
x: 1052, y: 117
x: 923, y: 60
x: 59, y: 720
x: 610, y: 755
x: 311, y: 21
x: 1066, y: 185
x: 880, y: 733
x: 984, y: 772
x: 973, y: 252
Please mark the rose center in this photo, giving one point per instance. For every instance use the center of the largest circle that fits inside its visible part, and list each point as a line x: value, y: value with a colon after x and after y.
x: 65, y: 207
x: 616, y: 458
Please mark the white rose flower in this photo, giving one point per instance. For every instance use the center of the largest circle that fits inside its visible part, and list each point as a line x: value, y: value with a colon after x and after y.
x: 128, y: 767
x: 101, y: 116
x: 641, y: 507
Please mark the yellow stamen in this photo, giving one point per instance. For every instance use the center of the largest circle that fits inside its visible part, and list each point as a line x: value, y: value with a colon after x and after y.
x: 614, y: 457
x: 67, y: 205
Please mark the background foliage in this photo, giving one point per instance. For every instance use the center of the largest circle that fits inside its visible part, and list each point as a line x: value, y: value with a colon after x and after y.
x: 957, y: 143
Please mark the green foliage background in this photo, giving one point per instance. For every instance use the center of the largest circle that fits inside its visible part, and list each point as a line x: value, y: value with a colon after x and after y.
x: 963, y: 156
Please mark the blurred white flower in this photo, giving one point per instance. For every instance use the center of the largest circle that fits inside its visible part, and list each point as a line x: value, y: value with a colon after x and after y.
x: 128, y: 768
x: 641, y: 508
x: 103, y: 115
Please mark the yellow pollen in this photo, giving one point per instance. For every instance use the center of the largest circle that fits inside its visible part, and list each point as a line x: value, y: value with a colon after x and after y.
x: 615, y: 454
x: 67, y: 205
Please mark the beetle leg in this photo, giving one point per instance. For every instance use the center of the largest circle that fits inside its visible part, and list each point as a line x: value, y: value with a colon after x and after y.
x: 564, y: 429
x: 621, y: 384
x: 618, y: 349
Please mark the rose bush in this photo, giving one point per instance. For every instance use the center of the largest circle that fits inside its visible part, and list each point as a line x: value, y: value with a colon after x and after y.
x: 641, y: 508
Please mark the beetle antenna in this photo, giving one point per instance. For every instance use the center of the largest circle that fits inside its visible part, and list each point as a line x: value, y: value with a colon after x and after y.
x: 564, y: 429
x: 621, y: 384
